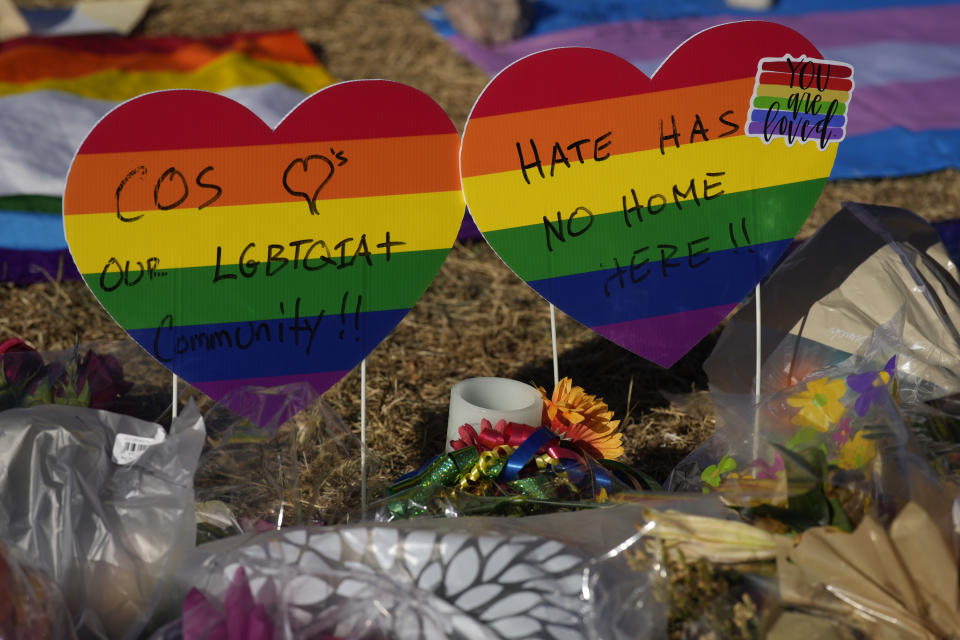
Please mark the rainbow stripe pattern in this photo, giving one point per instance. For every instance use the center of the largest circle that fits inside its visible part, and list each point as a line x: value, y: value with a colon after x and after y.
x: 54, y: 90
x: 800, y: 100
x: 635, y: 205
x: 240, y: 256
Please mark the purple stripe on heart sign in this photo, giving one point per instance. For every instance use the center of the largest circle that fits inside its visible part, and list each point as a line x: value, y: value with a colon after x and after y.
x: 656, y: 337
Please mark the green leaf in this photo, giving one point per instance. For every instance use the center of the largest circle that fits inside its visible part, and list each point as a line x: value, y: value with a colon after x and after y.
x: 839, y: 518
x: 805, y: 510
x: 805, y: 438
x: 726, y: 464
x: 812, y: 504
x: 711, y: 476
x: 42, y: 394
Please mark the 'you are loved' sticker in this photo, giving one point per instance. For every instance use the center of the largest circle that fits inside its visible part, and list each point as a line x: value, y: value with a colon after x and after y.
x: 800, y: 99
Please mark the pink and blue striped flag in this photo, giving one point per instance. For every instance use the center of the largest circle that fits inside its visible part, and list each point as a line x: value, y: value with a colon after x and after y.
x: 905, y: 118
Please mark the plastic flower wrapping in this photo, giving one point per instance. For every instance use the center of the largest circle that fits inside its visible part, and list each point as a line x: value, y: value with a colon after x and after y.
x: 821, y: 439
x: 384, y: 581
x: 829, y: 450
x: 840, y: 480
x: 568, y: 461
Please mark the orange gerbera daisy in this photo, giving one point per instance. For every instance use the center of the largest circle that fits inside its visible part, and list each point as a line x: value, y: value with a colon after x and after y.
x: 584, y: 419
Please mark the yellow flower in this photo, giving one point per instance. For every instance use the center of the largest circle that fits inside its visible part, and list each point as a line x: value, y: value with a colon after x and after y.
x: 856, y: 453
x: 583, y: 419
x: 819, y: 403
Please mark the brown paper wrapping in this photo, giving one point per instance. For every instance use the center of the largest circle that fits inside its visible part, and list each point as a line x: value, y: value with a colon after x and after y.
x: 895, y: 583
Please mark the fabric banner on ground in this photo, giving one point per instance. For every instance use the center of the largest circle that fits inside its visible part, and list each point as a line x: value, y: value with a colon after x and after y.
x: 904, y: 119
x: 54, y: 90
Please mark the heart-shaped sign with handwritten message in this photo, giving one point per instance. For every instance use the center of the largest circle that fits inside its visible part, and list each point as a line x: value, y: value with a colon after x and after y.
x: 647, y: 208
x: 240, y: 256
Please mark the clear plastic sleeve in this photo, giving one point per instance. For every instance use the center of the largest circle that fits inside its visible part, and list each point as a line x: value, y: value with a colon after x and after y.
x: 827, y: 297
x: 562, y: 575
x: 307, y: 468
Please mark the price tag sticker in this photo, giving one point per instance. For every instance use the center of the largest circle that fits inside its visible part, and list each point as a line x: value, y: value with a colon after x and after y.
x: 127, y: 449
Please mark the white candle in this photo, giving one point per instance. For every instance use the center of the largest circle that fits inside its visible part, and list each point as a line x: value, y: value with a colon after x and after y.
x: 495, y: 399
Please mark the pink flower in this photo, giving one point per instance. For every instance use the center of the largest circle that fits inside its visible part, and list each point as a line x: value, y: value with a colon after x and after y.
x: 765, y: 470
x: 20, y: 362
x: 468, y: 436
x: 242, y: 618
x: 490, y: 436
x: 842, y: 433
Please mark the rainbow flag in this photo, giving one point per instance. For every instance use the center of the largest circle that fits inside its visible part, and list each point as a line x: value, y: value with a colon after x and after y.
x: 241, y: 256
x: 905, y: 118
x: 54, y: 90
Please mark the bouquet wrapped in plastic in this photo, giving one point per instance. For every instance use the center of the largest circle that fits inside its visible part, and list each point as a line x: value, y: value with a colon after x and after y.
x: 860, y: 353
x: 103, y: 503
x: 837, y: 474
x: 827, y: 450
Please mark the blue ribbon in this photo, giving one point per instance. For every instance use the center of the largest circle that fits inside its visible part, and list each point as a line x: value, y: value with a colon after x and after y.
x: 576, y: 472
x: 525, y: 452
x: 528, y: 449
x: 604, y: 479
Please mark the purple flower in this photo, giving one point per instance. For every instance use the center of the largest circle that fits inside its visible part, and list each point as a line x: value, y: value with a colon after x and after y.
x: 871, y: 386
x: 242, y: 618
x: 100, y: 379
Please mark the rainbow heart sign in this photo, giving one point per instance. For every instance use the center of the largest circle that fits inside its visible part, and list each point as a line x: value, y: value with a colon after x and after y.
x: 241, y: 256
x: 637, y: 205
